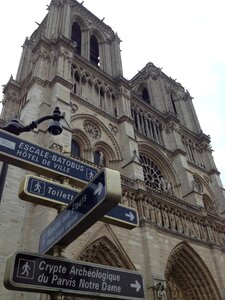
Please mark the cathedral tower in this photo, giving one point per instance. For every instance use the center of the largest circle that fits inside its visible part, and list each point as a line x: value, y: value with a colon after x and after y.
x: 147, y: 129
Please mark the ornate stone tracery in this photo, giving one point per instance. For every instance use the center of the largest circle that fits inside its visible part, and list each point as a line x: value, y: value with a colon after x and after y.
x: 92, y: 130
x: 147, y: 124
x: 103, y: 251
x: 153, y: 175
x: 102, y: 129
x: 176, y: 220
x: 85, y: 83
x: 188, y: 277
x: 195, y: 151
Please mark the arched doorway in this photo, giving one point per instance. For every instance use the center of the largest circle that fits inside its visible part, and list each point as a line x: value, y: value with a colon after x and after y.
x: 188, y: 277
x: 103, y: 251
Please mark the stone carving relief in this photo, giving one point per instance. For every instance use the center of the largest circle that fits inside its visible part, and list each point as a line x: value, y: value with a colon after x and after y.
x: 197, y: 186
x: 150, y: 70
x: 172, y: 126
x: 74, y: 108
x: 174, y: 219
x: 166, y: 186
x: 56, y: 147
x: 195, y: 151
x: 177, y: 220
x: 92, y: 130
x: 161, y: 291
x: 113, y: 129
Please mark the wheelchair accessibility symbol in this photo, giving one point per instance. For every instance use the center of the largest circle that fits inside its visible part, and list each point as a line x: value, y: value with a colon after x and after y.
x: 26, y: 269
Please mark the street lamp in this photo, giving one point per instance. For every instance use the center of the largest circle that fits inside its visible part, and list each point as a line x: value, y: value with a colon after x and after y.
x: 54, y: 128
x: 16, y: 128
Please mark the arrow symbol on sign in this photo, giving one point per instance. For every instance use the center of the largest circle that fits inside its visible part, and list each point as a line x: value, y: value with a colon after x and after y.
x: 136, y: 285
x: 99, y: 189
x: 130, y: 216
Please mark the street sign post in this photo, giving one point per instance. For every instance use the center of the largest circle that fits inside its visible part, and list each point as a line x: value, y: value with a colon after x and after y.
x: 42, y: 273
x: 35, y: 158
x: 45, y: 192
x: 90, y: 205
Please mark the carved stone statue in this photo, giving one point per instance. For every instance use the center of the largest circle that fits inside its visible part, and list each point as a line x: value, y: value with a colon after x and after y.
x: 161, y: 291
x: 125, y: 198
x: 152, y: 212
x: 132, y: 201
x: 146, y: 208
x: 101, y: 158
x: 172, y: 220
x: 179, y: 222
x: 158, y: 215
x: 186, y: 224
x: 166, y: 221
x: 191, y: 227
x: 203, y: 231
x: 196, y: 227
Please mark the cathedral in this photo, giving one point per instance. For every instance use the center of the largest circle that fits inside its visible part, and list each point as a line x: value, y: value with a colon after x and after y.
x: 147, y: 129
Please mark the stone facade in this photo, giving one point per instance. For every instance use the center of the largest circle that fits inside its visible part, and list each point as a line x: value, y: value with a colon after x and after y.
x: 147, y: 129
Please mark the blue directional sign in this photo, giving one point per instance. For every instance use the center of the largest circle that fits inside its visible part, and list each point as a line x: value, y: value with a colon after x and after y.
x: 122, y: 216
x: 90, y: 205
x: 35, y: 158
x: 42, y: 273
x: 45, y: 192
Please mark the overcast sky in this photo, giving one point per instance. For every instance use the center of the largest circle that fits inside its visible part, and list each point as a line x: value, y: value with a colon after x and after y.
x: 184, y: 37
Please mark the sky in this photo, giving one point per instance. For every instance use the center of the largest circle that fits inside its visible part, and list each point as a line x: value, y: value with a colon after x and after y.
x: 186, y: 38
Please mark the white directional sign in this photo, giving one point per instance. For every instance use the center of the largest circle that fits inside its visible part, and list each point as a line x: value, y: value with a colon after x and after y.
x: 89, y: 206
x: 42, y: 273
x: 35, y: 158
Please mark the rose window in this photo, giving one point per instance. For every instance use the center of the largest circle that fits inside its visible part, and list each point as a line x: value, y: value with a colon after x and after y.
x: 152, y: 174
x: 92, y: 130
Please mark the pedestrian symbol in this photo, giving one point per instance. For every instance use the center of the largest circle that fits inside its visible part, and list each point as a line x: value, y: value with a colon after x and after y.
x: 89, y: 174
x: 26, y: 269
x: 37, y: 187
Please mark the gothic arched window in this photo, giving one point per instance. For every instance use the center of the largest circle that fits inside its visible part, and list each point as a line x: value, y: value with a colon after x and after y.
x: 152, y: 174
x: 76, y: 37
x: 154, y: 177
x: 208, y: 203
x: 102, y: 98
x: 75, y: 148
x: 145, y: 95
x: 94, y: 51
x: 77, y: 77
x: 172, y: 98
x: 114, y: 105
x: 99, y: 158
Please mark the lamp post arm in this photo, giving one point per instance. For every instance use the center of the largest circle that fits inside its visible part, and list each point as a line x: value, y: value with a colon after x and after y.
x: 16, y: 128
x: 34, y: 124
